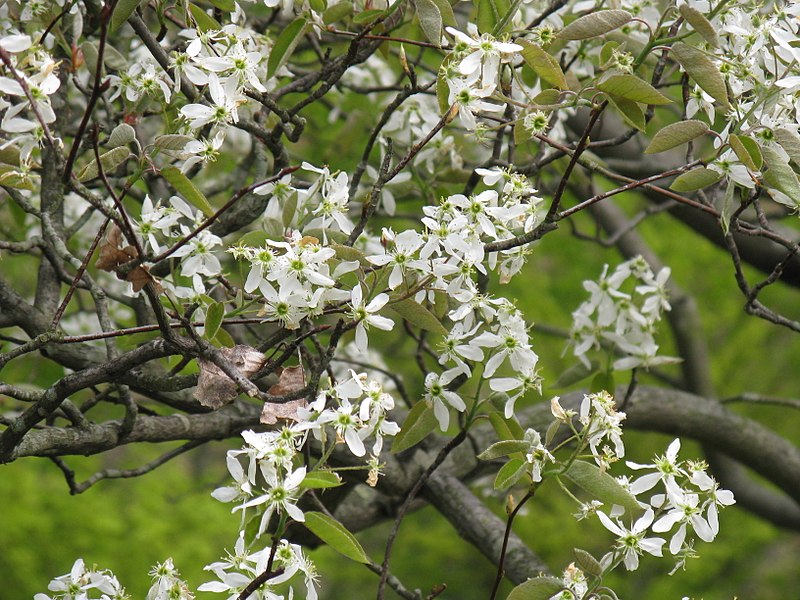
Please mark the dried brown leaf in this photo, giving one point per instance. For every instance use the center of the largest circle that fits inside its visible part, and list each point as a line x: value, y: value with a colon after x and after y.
x: 273, y: 411
x: 214, y: 387
x: 113, y: 257
x: 290, y: 380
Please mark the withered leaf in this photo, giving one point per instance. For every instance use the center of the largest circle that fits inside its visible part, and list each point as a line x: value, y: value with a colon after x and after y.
x: 290, y: 380
x: 214, y: 387
x: 113, y: 256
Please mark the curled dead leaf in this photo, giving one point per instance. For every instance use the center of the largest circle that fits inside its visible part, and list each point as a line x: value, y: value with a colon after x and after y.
x: 214, y: 387
x: 290, y: 380
x: 113, y: 256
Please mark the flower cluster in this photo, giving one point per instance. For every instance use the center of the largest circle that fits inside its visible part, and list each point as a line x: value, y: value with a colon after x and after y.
x: 688, y: 501
x: 621, y: 321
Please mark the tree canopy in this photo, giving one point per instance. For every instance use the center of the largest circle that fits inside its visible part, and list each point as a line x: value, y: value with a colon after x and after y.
x: 322, y: 231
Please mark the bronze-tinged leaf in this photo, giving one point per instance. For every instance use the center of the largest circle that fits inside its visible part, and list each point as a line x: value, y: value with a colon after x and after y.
x: 214, y: 387
x: 113, y: 257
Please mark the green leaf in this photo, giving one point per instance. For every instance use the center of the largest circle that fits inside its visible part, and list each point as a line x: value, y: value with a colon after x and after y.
x: 490, y: 13
x: 631, y: 87
x: 285, y: 45
x: 630, y: 111
x: 337, y: 12
x: 10, y: 177
x: 203, y: 20
x: 214, y: 316
x: 321, y: 480
x: 349, y: 253
x: 675, y: 135
x: 587, y: 562
x: 539, y: 588
x: 602, y: 382
x: 503, y: 448
x: 545, y: 66
x: 122, y: 135
x: 172, y: 141
x: 702, y: 69
x: 510, y: 473
x: 700, y: 24
x: 780, y: 176
x: 109, y: 160
x: 506, y: 429
x: 747, y: 151
x: 790, y: 142
x: 446, y: 10
x: 696, y: 179
x: 367, y: 16
x: 318, y: 6
x: 187, y: 189
x: 226, y: 5
x: 416, y: 314
x: 223, y: 339
x: 333, y: 533
x: 547, y: 99
x: 122, y: 11
x: 595, y: 24
x: 602, y: 486
x: 430, y: 20
x: 418, y: 424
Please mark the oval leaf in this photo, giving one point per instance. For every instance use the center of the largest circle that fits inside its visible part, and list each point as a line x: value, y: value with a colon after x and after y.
x: 539, y: 588
x: 510, y: 473
x: 780, y: 176
x: 631, y: 87
x: 503, y: 448
x: 122, y: 11
x: 203, y: 20
x: 214, y: 315
x: 700, y: 24
x: 285, y: 45
x: 790, y: 142
x: 187, y: 189
x: 506, y: 429
x: 587, y: 562
x: 320, y: 480
x: 747, y: 151
x: 602, y: 486
x: 545, y: 66
x: 630, y: 112
x: 172, y: 141
x: 694, y: 180
x: 109, y: 160
x: 416, y: 314
x: 430, y: 20
x: 595, y: 24
x: 122, y: 135
x: 333, y: 533
x: 702, y: 69
x: 675, y: 135
x: 418, y: 424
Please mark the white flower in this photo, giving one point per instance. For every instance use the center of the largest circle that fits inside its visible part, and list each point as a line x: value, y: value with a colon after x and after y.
x: 440, y: 397
x: 280, y: 494
x: 366, y: 315
x: 631, y: 542
x: 226, y: 101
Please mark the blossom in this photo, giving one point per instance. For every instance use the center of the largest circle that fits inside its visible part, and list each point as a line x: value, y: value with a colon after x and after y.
x: 366, y: 315
x: 632, y: 542
x: 437, y: 394
x: 280, y: 494
x: 226, y: 100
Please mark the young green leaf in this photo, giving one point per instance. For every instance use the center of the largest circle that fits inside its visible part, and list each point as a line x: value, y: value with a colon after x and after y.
x: 790, y: 142
x: 172, y: 141
x: 602, y: 486
x: 595, y: 24
x: 187, y: 189
x: 122, y: 135
x: 416, y: 314
x: 747, y: 151
x: 780, y: 175
x: 430, y: 20
x: 510, y: 473
x: 419, y: 423
x: 321, y: 480
x: 630, y: 111
x: 285, y: 44
x: 109, y: 160
x: 203, y: 20
x: 506, y: 429
x: 333, y: 533
x: 503, y: 448
x: 490, y: 13
x: 700, y: 24
x: 545, y: 66
x: 446, y: 10
x: 702, y: 70
x: 694, y: 180
x: 214, y: 316
x: 631, y: 87
x: 587, y: 562
x: 122, y: 11
x: 337, y: 12
x: 675, y: 134
x: 539, y: 588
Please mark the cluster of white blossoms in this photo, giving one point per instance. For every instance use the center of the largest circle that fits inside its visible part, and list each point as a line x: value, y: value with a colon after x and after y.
x: 25, y: 90
x: 688, y: 500
x: 621, y: 316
